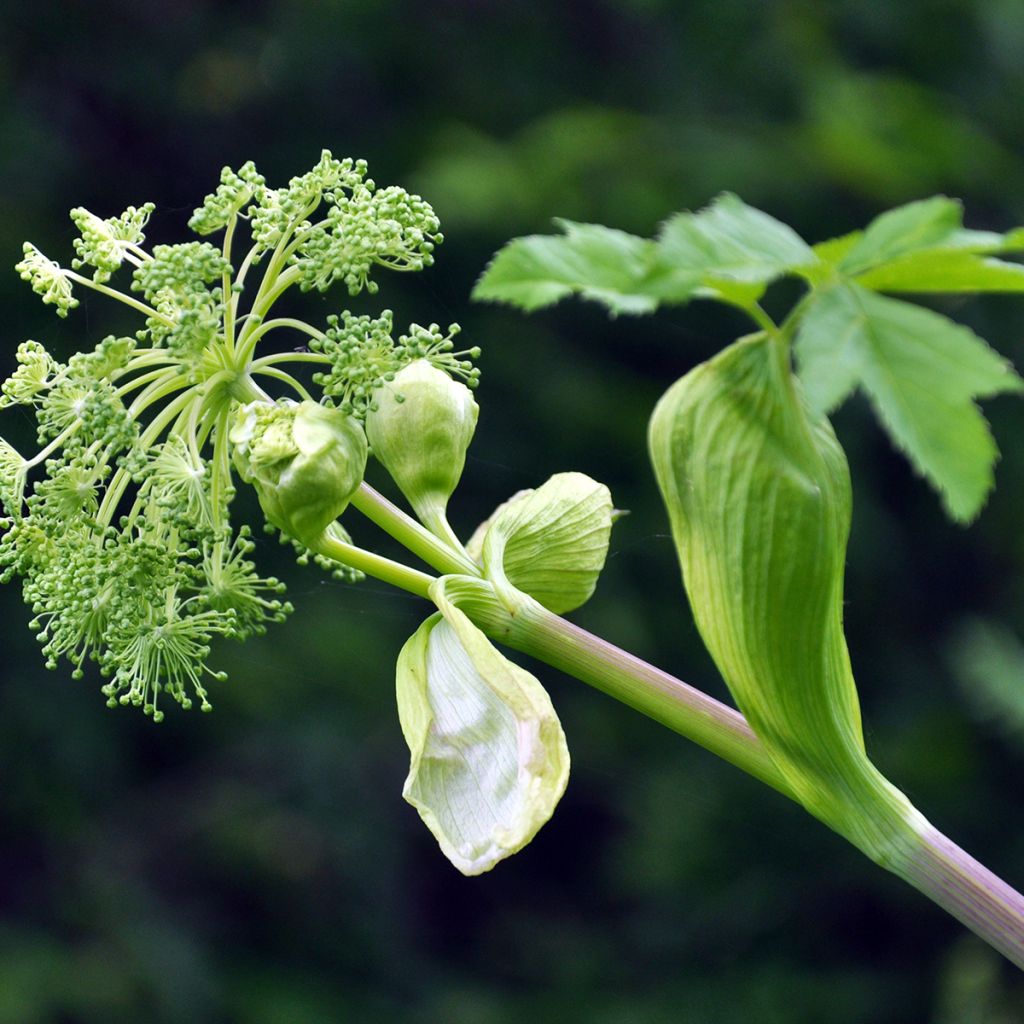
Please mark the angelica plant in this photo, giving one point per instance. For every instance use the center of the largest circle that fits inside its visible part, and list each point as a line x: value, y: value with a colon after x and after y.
x: 119, y: 525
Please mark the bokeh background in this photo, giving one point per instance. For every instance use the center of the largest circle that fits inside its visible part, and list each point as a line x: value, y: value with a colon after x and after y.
x: 258, y: 864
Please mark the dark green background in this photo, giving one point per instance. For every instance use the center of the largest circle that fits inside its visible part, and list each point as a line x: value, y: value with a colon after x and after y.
x: 258, y: 864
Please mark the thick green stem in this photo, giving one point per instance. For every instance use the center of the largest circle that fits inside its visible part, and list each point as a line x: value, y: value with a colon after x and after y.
x: 670, y: 701
x: 917, y: 852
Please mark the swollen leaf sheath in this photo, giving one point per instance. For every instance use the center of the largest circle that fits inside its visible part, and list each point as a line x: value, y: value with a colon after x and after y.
x: 550, y: 543
x: 489, y: 761
x: 758, y: 494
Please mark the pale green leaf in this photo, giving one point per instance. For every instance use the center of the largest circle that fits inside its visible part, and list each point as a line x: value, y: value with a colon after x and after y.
x: 921, y: 372
x: 596, y: 262
x: 924, y: 224
x: 727, y: 241
x: 489, y: 761
x: 945, y: 270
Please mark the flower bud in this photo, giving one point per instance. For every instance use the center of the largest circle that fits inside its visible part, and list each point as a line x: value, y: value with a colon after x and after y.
x: 550, y: 543
x: 420, y: 431
x: 305, y: 461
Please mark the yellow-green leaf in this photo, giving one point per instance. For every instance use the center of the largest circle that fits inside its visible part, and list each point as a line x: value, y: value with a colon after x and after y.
x: 589, y: 260
x: 730, y: 241
x: 944, y: 270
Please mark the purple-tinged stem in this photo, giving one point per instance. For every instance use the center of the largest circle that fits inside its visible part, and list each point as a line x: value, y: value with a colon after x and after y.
x: 919, y: 853
x: 963, y: 887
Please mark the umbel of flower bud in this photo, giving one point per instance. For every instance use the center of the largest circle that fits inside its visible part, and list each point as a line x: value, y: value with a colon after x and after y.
x: 304, y: 460
x: 489, y: 761
x: 420, y: 431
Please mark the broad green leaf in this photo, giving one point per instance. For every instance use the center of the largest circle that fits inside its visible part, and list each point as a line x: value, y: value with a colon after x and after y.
x: 596, y: 262
x: 550, y: 543
x: 489, y: 761
x: 945, y: 270
x: 923, y: 247
x: 935, y: 257
x: 920, y: 225
x: 921, y: 372
x: 727, y: 241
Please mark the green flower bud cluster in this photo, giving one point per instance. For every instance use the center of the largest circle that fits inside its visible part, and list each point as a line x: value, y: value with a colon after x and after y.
x: 47, y: 278
x: 119, y: 524
x: 104, y: 244
x: 389, y: 228
x: 35, y: 368
x: 364, y: 357
x: 235, y: 191
x: 305, y: 461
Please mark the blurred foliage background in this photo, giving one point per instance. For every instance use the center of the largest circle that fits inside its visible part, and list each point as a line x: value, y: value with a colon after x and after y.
x: 258, y: 864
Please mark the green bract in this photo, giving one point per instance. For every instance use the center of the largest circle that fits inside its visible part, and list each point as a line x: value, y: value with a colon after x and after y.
x: 305, y: 461
x: 550, y: 543
x: 420, y: 430
x: 489, y: 761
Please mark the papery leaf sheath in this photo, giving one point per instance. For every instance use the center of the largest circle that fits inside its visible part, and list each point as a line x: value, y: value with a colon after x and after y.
x: 489, y: 761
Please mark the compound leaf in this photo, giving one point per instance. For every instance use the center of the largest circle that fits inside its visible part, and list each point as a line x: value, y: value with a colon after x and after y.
x: 922, y: 373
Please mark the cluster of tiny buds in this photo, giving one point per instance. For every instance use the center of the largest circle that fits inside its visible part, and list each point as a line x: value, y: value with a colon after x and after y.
x: 119, y: 525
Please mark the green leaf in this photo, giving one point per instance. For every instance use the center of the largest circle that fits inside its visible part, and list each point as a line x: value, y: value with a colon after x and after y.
x: 945, y: 270
x: 921, y: 372
x: 834, y: 250
x: 728, y: 241
x: 920, y: 225
x: 728, y: 252
x: 489, y: 761
x: 596, y: 262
